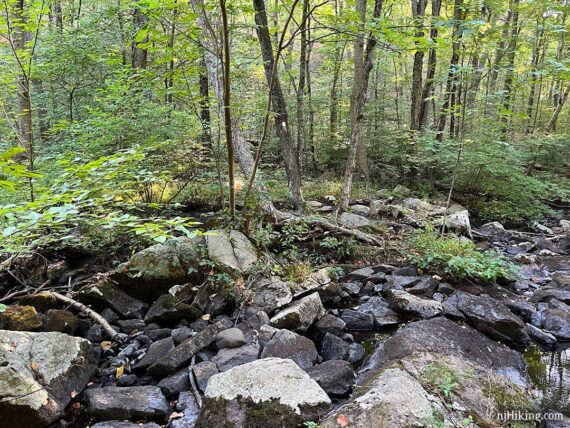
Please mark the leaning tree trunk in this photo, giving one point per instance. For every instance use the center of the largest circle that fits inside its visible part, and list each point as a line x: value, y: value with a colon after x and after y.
x: 551, y: 126
x: 362, y: 67
x: 418, y: 11
x: 288, y: 149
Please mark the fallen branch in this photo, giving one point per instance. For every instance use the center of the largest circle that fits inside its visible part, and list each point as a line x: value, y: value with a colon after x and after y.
x: 193, y: 382
x: 88, y: 311
x: 27, y: 290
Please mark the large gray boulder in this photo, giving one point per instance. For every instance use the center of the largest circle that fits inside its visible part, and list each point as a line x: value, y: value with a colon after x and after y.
x: 230, y: 250
x: 269, y: 393
x: 414, y: 306
x: 268, y: 295
x: 106, y: 295
x: 39, y: 374
x: 288, y: 345
x: 353, y: 221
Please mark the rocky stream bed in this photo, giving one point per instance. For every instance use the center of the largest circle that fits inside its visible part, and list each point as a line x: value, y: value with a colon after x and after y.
x: 380, y: 346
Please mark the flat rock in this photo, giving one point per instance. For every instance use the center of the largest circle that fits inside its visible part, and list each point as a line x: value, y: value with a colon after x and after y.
x: 353, y: 221
x: 414, y: 306
x: 231, y: 250
x: 155, y: 353
x: 107, y: 295
x: 117, y: 403
x: 336, y: 377
x: 38, y: 374
x: 380, y: 310
x: 173, y: 385
x: 290, y: 345
x: 269, y: 295
x: 333, y: 348
x: 301, y: 314
x: 356, y: 320
x: 170, y: 310
x: 228, y: 358
x: 268, y: 393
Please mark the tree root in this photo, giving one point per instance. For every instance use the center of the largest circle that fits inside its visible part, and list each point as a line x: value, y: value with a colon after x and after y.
x: 195, y: 391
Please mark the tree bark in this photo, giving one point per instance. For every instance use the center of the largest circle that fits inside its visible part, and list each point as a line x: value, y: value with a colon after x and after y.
x: 511, y: 54
x: 363, y: 64
x: 418, y: 12
x: 288, y: 149
x: 551, y: 126
x: 139, y: 55
x: 533, y: 70
x: 301, y: 88
x: 427, y: 91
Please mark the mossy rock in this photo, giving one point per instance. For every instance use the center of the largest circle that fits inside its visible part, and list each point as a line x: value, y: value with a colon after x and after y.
x: 20, y: 318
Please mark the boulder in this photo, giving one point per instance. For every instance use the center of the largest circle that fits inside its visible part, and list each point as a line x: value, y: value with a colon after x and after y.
x: 20, y: 318
x: 169, y: 309
x: 152, y: 271
x: 360, y: 209
x: 117, y: 403
x: 122, y: 424
x: 540, y: 336
x: 458, y: 222
x: 380, y: 310
x: 155, y: 353
x: 230, y: 338
x: 107, y: 295
x: 353, y: 221
x: 269, y: 393
x: 491, y: 317
x: 228, y: 358
x: 184, y: 352
x: 411, y: 305
x: 557, y: 322
x: 356, y: 320
x: 203, y: 372
x: 333, y: 348
x: 315, y: 281
x: 172, y: 386
x: 336, y: 377
x: 301, y: 314
x: 393, y: 399
x: 60, y: 320
x: 39, y: 375
x: 289, y: 345
x: 269, y: 294
x: 230, y: 250
x: 328, y: 324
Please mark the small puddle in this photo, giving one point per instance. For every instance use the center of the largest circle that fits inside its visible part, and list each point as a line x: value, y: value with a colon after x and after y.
x: 550, y: 373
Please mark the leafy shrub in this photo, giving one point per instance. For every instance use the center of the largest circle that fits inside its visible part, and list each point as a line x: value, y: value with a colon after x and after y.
x: 456, y: 258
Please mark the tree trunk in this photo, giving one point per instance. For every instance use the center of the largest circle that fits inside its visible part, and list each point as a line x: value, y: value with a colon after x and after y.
x: 533, y: 70
x: 301, y: 88
x: 418, y: 12
x: 511, y: 54
x: 427, y: 91
x: 363, y: 64
x: 288, y: 149
x: 139, y: 55
x: 204, y: 103
x: 551, y: 126
x: 453, y: 74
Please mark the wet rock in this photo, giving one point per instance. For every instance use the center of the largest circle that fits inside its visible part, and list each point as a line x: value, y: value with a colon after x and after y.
x: 60, y: 320
x: 155, y: 334
x: 491, y: 317
x: 355, y: 352
x: 230, y: 338
x: 107, y: 295
x: 124, y: 403
x: 353, y: 221
x: 380, y: 310
x: 191, y: 411
x: 155, y: 353
x: 540, y: 336
x: 393, y: 399
x: 152, y: 271
x: 356, y: 320
x: 172, y: 386
x: 127, y: 380
x: 121, y: 424
x: 286, y: 344
x: 546, y: 293
x: 180, y: 334
x: 128, y: 326
x: 203, y: 372
x: 269, y: 295
x: 184, y: 352
x: 405, y: 271
x: 336, y: 377
x: 38, y: 374
x: 268, y: 393
x: 557, y: 322
x: 414, y: 306
x: 170, y: 310
x: 20, y: 318
x: 231, y: 250
x: 301, y: 314
x: 333, y: 348
x: 328, y: 324
x: 228, y: 358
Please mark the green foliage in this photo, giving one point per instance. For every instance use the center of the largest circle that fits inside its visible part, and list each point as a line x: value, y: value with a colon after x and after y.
x: 439, y: 378
x: 456, y: 258
x: 338, y: 247
x: 10, y: 170
x: 3, y: 307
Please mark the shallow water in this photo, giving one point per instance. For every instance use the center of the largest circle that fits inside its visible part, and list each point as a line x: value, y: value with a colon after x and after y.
x: 550, y: 373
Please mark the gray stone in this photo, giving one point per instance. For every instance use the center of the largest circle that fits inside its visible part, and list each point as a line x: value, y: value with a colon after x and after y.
x: 170, y: 310
x: 329, y: 324
x: 352, y: 288
x: 172, y: 386
x: 266, y: 393
x: 360, y: 209
x: 356, y: 320
x: 380, y: 310
x: 107, y: 295
x: 184, y: 352
x: 121, y: 424
x: 414, y: 306
x: 425, y: 287
x: 557, y: 322
x: 203, y: 372
x: 231, y: 250
x: 353, y: 221
x: 39, y: 373
x: 269, y: 295
x: 228, y: 358
x: 540, y: 336
x: 355, y: 352
x: 336, y: 377
x: 333, y: 348
x: 191, y: 411
x: 180, y: 334
x: 286, y: 344
x: 129, y: 326
x: 315, y: 281
x: 155, y: 353
x: 124, y: 403
x: 301, y: 314
x: 230, y: 338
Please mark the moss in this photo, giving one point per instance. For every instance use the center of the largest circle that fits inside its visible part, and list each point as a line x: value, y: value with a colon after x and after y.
x: 20, y: 318
x: 507, y: 397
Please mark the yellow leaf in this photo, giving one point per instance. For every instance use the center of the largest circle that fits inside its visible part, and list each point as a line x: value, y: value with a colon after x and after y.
x: 120, y: 371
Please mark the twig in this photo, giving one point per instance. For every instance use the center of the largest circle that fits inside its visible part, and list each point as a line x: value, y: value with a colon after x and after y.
x: 193, y: 382
x: 88, y: 311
